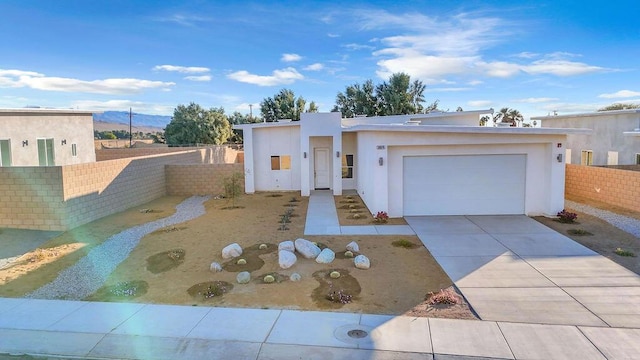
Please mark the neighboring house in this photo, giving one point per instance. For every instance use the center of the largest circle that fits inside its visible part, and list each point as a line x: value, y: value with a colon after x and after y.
x: 615, y: 139
x: 46, y: 137
x: 423, y: 164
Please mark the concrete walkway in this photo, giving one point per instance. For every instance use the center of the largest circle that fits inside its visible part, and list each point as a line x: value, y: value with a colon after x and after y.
x: 138, y: 331
x: 512, y: 268
x: 322, y: 219
x: 522, y: 278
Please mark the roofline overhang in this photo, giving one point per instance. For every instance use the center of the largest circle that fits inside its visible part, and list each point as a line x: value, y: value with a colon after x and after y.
x: 591, y: 114
x: 469, y: 129
x: 47, y: 111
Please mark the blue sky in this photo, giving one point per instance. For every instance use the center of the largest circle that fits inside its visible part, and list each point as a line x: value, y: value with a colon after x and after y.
x: 535, y: 56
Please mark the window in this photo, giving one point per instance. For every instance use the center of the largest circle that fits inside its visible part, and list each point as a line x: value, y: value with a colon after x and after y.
x: 74, y: 150
x: 281, y: 162
x: 637, y: 159
x: 612, y: 158
x: 586, y: 157
x: 347, y: 166
x: 5, y: 153
x: 45, y: 152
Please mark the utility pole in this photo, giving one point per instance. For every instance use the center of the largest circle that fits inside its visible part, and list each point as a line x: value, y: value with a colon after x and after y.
x: 250, y: 112
x: 130, y: 133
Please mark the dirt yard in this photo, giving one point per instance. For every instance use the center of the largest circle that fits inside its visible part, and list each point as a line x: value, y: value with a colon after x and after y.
x: 172, y: 265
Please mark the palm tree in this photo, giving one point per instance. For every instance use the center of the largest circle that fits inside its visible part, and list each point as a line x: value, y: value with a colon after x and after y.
x: 507, y: 115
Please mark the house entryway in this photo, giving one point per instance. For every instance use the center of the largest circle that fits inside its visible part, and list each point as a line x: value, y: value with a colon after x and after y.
x: 321, y: 169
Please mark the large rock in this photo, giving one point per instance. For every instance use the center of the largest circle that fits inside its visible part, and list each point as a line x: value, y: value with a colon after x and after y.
x: 326, y: 256
x: 362, y: 262
x: 307, y: 249
x: 287, y: 245
x: 215, y: 267
x: 231, y: 251
x: 295, y: 277
x: 353, y: 247
x: 286, y: 259
x: 243, y: 277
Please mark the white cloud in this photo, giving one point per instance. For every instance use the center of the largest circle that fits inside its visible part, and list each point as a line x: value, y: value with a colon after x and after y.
x: 182, y: 69
x: 560, y: 68
x: 198, y: 78
x: 183, y: 19
x: 620, y: 94
x: 527, y: 55
x: 33, y: 80
x: 278, y: 77
x: 499, y: 69
x: 137, y: 106
x: 356, y: 47
x: 571, y: 107
x: 331, y: 35
x: 532, y: 100
x: 314, y: 67
x: 480, y: 103
x: 475, y: 82
x: 291, y: 57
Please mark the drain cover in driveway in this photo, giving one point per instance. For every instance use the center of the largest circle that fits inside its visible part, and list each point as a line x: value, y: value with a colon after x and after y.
x: 357, y: 333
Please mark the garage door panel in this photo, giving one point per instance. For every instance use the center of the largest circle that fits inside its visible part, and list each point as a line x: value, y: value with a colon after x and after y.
x: 464, y: 185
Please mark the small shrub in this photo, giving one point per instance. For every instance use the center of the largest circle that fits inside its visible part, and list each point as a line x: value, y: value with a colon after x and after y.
x: 233, y: 187
x: 334, y: 274
x: 381, y: 217
x: 403, y: 243
x: 578, y: 232
x: 217, y: 289
x: 622, y: 252
x: 444, y: 297
x: 567, y: 217
x: 339, y: 297
x: 293, y: 199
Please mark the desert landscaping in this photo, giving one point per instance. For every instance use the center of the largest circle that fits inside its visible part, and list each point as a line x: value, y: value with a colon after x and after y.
x: 173, y: 265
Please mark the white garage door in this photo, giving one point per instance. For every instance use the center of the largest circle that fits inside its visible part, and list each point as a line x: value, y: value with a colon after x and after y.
x: 464, y: 185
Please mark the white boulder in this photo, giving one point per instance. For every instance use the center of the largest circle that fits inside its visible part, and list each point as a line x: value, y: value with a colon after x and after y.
x: 286, y: 259
x: 326, y: 256
x: 215, y: 267
x: 231, y: 251
x: 287, y: 245
x: 362, y: 262
x: 307, y: 249
x: 295, y: 277
x: 243, y: 277
x: 353, y: 246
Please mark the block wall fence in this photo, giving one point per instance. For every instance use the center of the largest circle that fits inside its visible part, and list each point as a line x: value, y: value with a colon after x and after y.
x: 59, y: 198
x: 213, y: 154
x: 615, y: 186
x: 186, y: 180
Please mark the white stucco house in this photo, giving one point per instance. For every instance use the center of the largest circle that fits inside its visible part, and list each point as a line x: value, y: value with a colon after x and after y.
x: 423, y: 164
x: 615, y: 139
x: 46, y: 137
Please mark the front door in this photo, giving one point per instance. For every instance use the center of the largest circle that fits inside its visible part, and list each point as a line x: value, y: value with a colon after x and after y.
x: 321, y: 168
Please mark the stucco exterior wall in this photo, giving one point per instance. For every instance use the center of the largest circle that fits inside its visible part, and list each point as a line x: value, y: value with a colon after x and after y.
x: 276, y: 141
x: 381, y: 186
x: 64, y: 127
x: 617, y: 187
x: 608, y: 135
x: 320, y: 126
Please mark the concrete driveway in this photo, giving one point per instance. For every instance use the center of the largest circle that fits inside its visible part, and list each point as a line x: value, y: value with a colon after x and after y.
x: 514, y: 269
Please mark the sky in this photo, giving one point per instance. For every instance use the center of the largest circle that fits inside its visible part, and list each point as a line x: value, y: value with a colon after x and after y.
x: 534, y: 56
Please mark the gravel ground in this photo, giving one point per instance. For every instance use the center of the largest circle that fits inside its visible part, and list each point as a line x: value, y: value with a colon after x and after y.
x: 630, y: 225
x: 90, y: 273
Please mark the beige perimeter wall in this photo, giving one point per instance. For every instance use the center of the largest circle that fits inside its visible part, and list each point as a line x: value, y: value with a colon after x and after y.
x: 63, y: 197
x: 211, y: 154
x: 619, y: 187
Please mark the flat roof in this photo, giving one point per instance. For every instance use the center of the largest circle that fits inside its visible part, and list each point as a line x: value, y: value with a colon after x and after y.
x: 471, y: 129
x: 591, y: 114
x: 47, y: 111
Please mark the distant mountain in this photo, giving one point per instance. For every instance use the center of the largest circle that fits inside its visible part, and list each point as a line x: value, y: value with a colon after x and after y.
x: 139, y: 120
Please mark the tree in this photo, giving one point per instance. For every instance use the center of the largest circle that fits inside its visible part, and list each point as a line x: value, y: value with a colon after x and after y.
x: 396, y: 97
x: 459, y: 109
x: 619, y: 106
x: 194, y: 125
x: 284, y: 105
x: 238, y: 118
x: 313, y: 108
x: 484, y: 120
x: 508, y: 115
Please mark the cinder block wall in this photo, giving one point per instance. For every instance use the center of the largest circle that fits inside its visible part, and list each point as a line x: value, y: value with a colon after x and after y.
x: 202, y: 179
x: 612, y: 186
x: 31, y: 198
x: 212, y: 154
x: 60, y: 198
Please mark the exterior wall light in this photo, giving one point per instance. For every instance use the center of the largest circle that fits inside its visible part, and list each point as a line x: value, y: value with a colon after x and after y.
x: 63, y: 142
x: 337, y: 154
x: 380, y: 161
x: 559, y: 158
x: 25, y: 143
x: 304, y: 154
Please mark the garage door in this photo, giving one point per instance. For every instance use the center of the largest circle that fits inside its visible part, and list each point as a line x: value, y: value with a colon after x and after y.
x: 464, y: 185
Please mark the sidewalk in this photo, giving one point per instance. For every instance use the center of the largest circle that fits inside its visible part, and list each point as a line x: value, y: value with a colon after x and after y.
x: 145, y: 331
